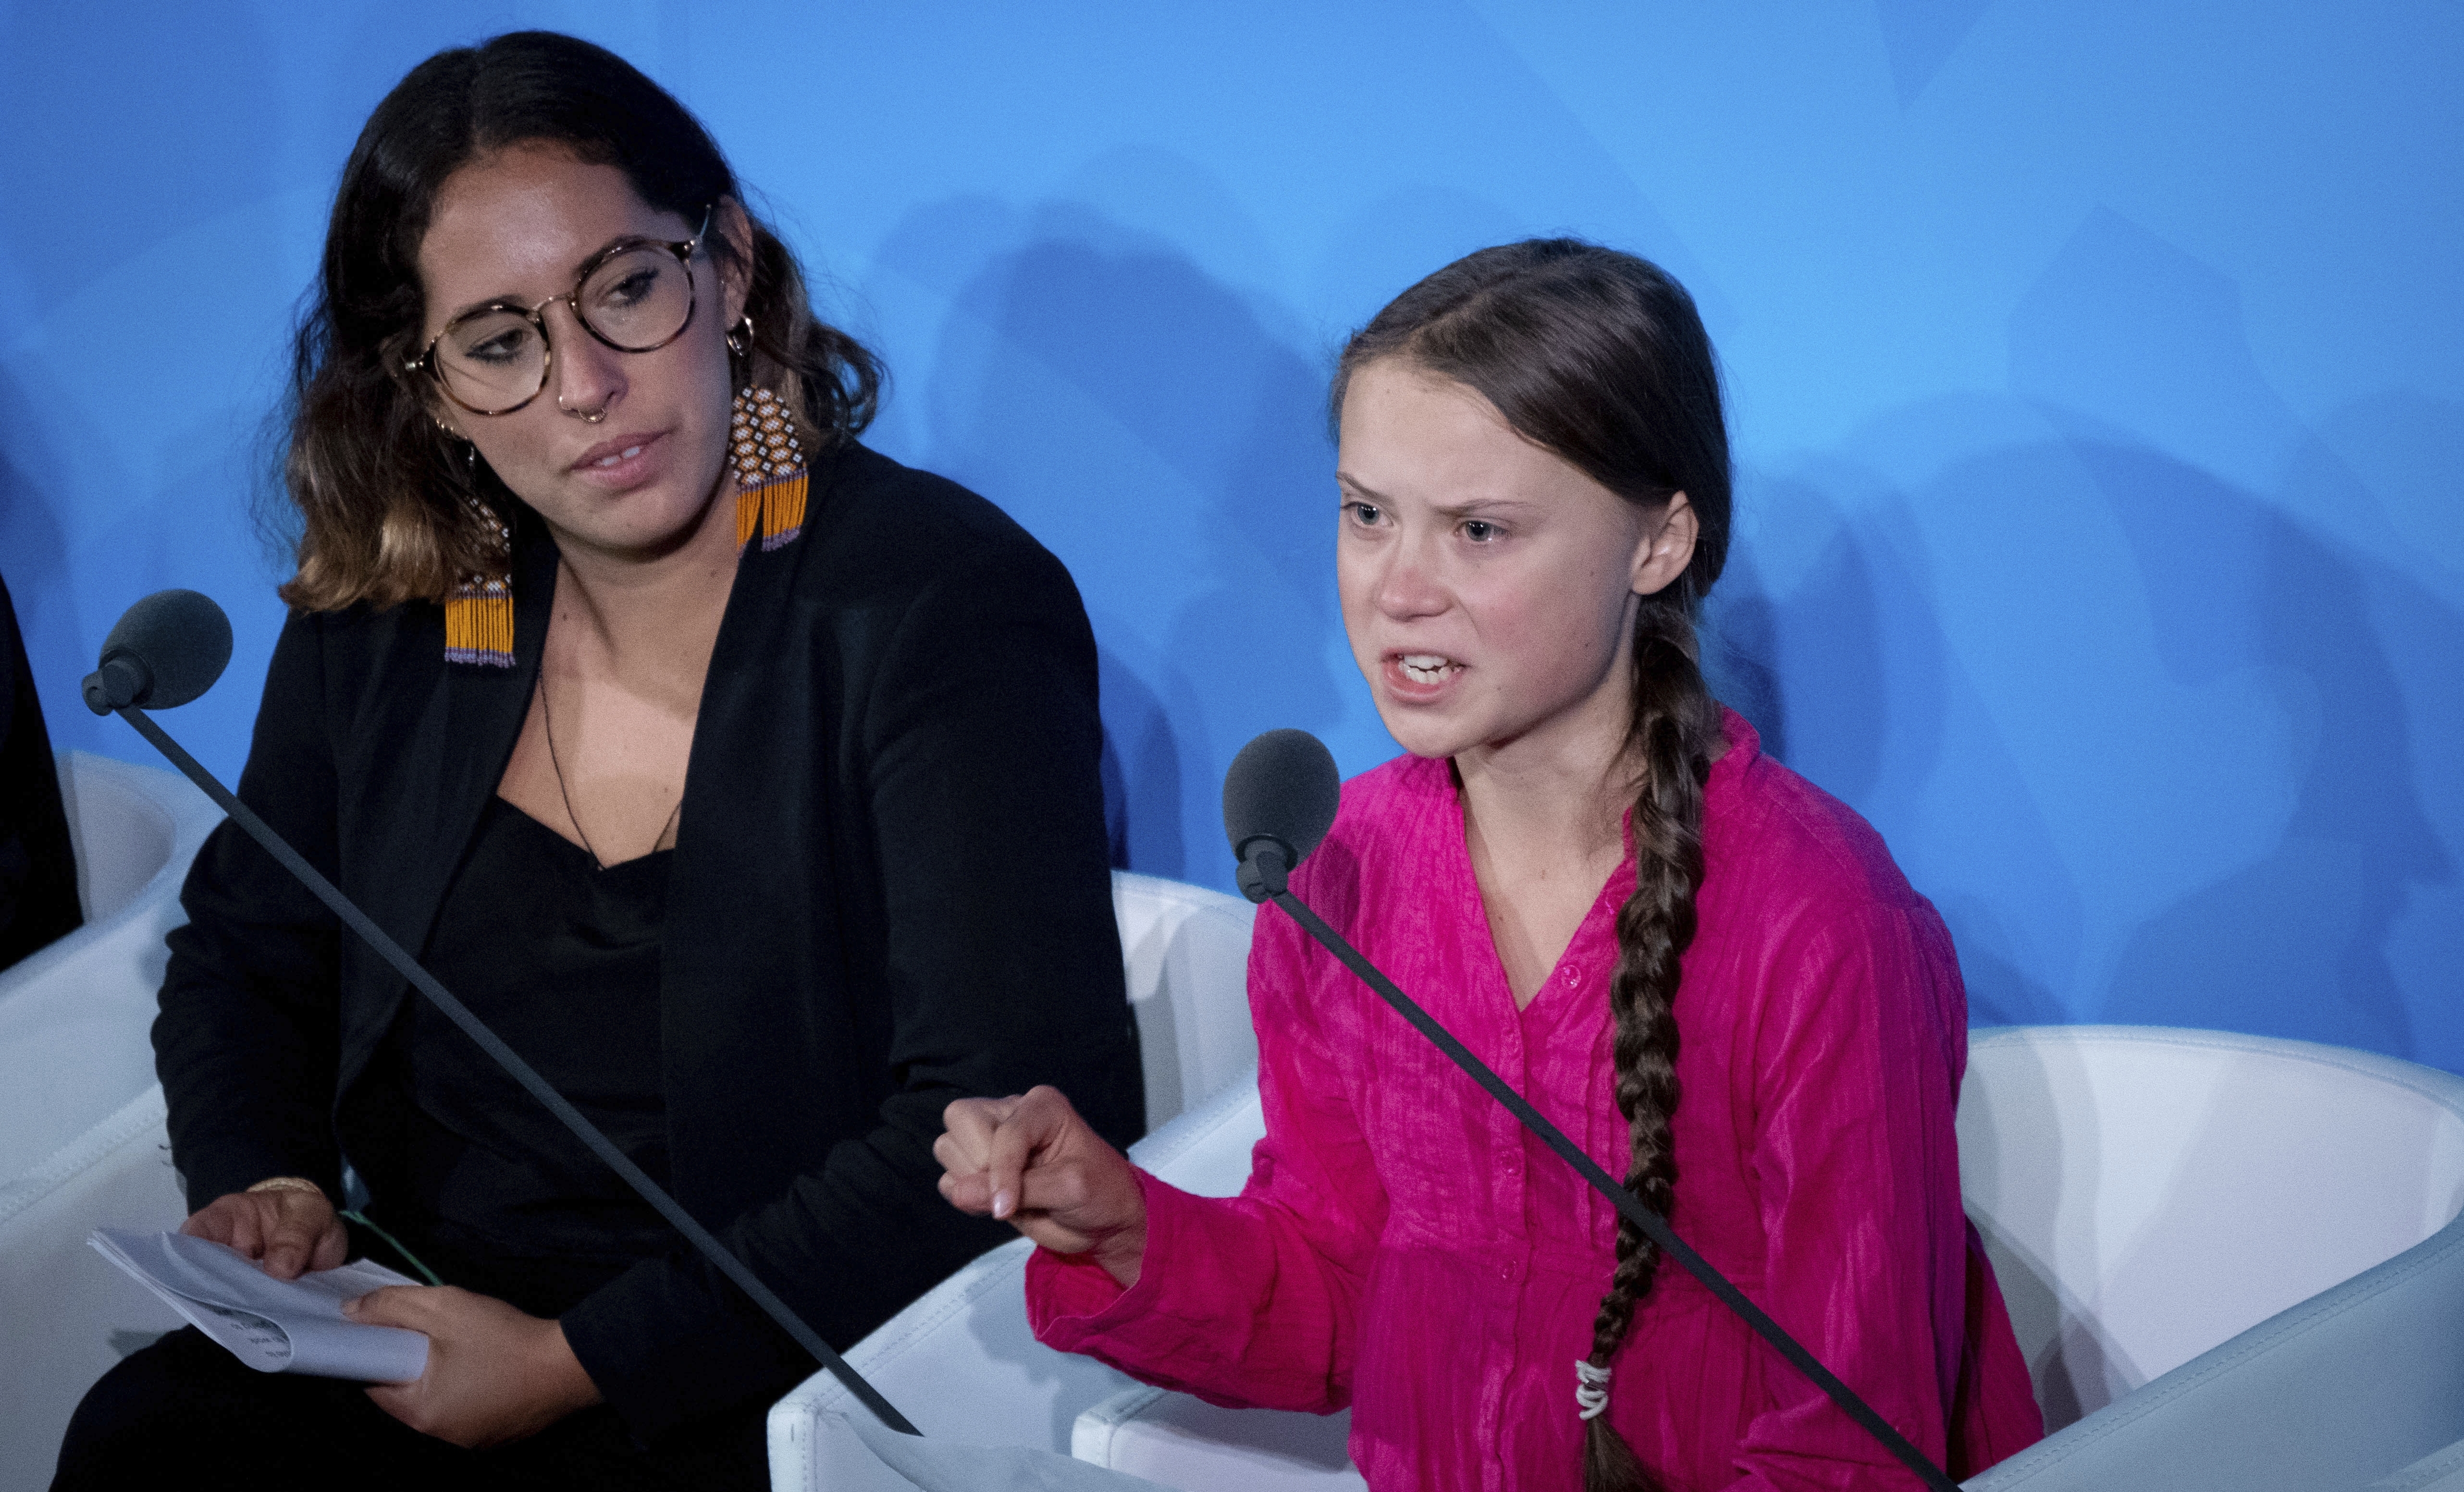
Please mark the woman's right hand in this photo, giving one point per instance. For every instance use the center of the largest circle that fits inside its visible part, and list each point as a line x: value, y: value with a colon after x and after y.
x: 1031, y: 1159
x: 287, y: 1231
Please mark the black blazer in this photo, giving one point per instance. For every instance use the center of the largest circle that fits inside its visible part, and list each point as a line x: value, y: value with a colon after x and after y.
x: 890, y: 889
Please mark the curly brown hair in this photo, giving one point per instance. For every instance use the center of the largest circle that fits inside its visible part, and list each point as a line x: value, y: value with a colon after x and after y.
x: 1600, y: 358
x: 386, y: 495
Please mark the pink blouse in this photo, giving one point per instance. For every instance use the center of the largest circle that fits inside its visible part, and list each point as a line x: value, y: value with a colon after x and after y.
x: 1404, y: 1248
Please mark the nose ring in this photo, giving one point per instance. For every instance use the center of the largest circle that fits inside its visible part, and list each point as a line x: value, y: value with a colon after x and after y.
x: 586, y: 416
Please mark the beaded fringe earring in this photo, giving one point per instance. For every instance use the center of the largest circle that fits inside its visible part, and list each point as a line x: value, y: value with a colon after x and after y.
x: 479, y: 614
x: 479, y: 622
x: 769, y: 460
x: 770, y: 477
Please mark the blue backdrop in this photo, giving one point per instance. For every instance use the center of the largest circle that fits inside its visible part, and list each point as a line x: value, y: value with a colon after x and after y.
x: 2095, y: 376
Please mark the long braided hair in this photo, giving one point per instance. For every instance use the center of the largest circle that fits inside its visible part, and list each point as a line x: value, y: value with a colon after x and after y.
x: 1600, y: 358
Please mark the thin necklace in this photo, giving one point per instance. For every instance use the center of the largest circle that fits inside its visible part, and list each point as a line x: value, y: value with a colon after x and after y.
x: 547, y: 722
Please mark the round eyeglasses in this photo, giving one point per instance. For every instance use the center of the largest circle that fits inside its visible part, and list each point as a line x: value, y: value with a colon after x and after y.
x: 635, y: 296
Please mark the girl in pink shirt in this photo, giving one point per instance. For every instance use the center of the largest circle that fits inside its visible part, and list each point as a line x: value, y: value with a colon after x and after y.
x: 1582, y: 860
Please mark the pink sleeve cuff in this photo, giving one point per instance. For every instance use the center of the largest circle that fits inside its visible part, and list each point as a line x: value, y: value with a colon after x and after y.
x: 1073, y: 1303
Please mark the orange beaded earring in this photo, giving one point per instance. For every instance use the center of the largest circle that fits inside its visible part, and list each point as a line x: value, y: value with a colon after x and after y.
x: 769, y: 460
x: 479, y: 614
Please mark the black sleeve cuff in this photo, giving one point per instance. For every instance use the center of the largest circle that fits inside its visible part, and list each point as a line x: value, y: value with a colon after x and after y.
x: 671, y: 1341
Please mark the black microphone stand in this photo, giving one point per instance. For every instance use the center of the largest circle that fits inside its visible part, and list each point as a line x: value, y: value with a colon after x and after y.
x: 582, y: 1128
x: 1264, y: 876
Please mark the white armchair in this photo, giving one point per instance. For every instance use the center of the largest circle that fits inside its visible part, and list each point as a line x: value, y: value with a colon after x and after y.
x: 82, y: 1137
x: 2147, y: 1193
x: 2240, y: 1259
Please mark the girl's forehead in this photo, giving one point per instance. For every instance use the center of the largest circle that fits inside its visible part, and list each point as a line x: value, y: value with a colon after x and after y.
x: 1410, y: 436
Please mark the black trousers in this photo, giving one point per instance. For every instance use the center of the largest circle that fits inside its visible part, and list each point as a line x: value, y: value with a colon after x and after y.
x: 184, y: 1413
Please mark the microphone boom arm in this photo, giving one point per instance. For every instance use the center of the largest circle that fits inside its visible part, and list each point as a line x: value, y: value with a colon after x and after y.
x: 1269, y: 872
x: 460, y: 1015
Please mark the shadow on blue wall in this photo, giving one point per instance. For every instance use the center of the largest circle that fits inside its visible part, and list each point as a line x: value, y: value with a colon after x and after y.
x: 35, y: 547
x: 1848, y: 674
x: 1141, y: 772
x: 2294, y: 943
x: 1140, y: 418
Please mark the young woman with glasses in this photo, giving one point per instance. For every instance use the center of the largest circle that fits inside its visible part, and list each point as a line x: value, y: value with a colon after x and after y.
x: 1700, y: 967
x: 705, y: 787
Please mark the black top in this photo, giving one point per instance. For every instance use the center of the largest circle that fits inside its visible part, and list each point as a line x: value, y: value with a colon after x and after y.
x: 478, y: 1180
x: 890, y: 890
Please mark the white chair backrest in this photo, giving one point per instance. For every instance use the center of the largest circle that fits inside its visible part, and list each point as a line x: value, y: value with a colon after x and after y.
x: 2147, y: 1192
x: 1187, y: 953
x: 75, y: 1016
x: 122, y: 824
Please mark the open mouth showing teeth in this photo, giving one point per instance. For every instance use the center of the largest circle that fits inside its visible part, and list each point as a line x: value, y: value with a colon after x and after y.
x: 626, y: 454
x: 1427, y: 668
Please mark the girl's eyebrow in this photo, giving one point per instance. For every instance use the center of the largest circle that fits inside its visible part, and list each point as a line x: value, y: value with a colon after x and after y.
x: 1468, y: 508
x: 1478, y: 507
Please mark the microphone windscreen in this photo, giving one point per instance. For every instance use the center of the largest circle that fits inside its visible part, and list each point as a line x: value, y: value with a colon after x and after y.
x: 181, y: 638
x: 1282, y: 785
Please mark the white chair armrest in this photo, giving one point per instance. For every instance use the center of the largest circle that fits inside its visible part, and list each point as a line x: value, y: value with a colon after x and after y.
x: 70, y: 1314
x: 1206, y: 1150
x: 2439, y: 1471
x: 1188, y: 1443
x: 961, y: 1362
x: 2328, y: 1393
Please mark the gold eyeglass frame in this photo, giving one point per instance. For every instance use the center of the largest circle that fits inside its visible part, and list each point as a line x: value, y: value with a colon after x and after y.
x: 683, y: 249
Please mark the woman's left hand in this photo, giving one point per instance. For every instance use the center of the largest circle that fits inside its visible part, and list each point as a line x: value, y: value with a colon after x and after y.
x: 494, y: 1372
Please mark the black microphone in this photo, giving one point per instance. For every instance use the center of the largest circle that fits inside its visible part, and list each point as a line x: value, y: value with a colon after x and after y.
x: 1280, y: 796
x: 1279, y: 800
x: 168, y: 649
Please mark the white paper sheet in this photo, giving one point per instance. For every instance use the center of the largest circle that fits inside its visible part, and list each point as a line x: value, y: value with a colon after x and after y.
x: 274, y: 1326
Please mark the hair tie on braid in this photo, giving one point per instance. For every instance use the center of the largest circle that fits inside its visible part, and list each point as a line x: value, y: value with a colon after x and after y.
x: 1591, y: 1390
